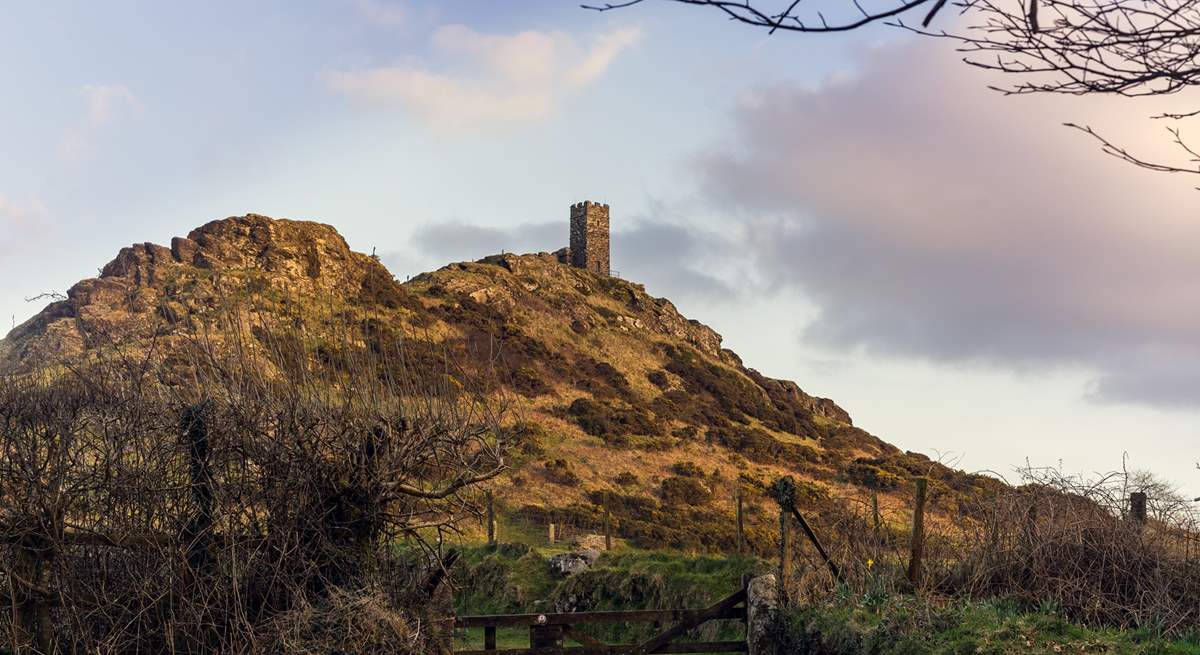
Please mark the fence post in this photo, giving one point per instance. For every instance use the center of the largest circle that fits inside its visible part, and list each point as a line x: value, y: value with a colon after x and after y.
x: 33, y: 626
x: 918, y: 533
x: 607, y: 529
x: 875, y: 541
x: 785, y: 553
x: 741, y: 534
x: 875, y: 513
x: 1137, y: 507
x: 491, y: 519
x: 197, y: 533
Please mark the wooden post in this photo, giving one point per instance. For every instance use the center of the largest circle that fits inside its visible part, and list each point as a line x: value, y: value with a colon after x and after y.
x: 741, y: 528
x: 918, y: 534
x: 491, y: 519
x: 1137, y: 507
x: 875, y: 513
x: 197, y: 533
x: 32, y: 615
x: 876, y: 542
x: 785, y: 552
x: 551, y: 533
x: 607, y: 529
x: 548, y: 638
x: 489, y: 637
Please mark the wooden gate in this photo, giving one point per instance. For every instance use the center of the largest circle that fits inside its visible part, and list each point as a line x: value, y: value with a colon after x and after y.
x: 548, y: 631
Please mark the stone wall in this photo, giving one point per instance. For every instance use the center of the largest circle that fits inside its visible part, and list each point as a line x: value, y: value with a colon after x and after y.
x: 589, y: 236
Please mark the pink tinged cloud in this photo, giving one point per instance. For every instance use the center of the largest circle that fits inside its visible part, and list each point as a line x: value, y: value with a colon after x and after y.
x: 932, y: 218
x: 19, y: 221
x: 486, y: 79
x: 104, y: 105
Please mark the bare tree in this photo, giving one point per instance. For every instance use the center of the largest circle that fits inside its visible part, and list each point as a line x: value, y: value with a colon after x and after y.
x: 790, y: 16
x: 239, y: 483
x: 1115, y: 47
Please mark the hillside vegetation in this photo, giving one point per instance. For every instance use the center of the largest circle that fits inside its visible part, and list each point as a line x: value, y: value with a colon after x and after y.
x: 618, y: 399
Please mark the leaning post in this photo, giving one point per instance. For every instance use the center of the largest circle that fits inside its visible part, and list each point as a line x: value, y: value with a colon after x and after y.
x: 491, y: 518
x: 785, y: 552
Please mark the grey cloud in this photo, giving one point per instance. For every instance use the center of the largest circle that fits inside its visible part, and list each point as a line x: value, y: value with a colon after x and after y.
x: 674, y: 257
x: 928, y: 217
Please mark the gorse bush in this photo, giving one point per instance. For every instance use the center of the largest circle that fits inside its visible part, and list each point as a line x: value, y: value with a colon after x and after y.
x: 613, y: 422
x: 686, y: 490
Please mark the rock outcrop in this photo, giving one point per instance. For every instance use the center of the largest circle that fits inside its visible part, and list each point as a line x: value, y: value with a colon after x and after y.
x: 146, y: 282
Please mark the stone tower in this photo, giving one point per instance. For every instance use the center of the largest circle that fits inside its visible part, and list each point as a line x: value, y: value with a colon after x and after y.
x: 589, y: 236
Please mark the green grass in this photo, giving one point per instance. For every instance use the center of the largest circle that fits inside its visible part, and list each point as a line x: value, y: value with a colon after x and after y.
x: 507, y: 637
x: 513, y: 579
x: 850, y: 624
x: 510, y: 579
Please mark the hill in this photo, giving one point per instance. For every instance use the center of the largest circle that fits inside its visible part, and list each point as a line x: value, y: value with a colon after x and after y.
x: 622, y: 399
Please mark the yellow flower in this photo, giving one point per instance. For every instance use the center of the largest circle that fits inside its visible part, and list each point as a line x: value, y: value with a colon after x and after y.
x: 870, y: 563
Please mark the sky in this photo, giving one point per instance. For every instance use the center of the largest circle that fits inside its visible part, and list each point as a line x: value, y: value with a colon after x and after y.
x: 859, y: 213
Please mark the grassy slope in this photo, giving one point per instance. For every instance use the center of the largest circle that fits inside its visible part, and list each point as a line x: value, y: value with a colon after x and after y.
x: 657, y: 390
x: 849, y: 624
x: 510, y: 579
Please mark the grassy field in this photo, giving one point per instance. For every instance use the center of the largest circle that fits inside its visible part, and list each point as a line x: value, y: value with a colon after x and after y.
x: 514, y: 578
x: 850, y: 624
x: 509, y: 578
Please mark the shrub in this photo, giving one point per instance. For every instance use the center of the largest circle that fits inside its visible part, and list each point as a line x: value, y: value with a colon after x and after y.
x: 625, y: 479
x: 561, y: 472
x: 599, y: 378
x: 865, y: 474
x: 679, y: 490
x: 687, y: 469
x: 734, y: 393
x: 611, y: 422
x: 658, y: 379
x: 526, y: 439
x: 528, y: 383
x: 758, y: 445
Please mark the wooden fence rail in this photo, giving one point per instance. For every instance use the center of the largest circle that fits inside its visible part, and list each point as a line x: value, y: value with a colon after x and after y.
x: 548, y: 631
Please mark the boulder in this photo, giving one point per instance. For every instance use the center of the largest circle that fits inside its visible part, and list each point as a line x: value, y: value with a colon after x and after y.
x: 571, y: 563
x: 762, y: 609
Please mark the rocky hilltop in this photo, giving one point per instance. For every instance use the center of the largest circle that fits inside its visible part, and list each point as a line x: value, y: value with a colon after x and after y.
x: 623, y: 399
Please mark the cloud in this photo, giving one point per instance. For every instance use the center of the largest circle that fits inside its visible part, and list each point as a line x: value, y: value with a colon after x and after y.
x: 671, y: 258
x: 104, y: 105
x: 487, y: 78
x: 107, y: 102
x: 18, y: 221
x: 678, y: 259
x: 929, y: 217
x: 381, y: 12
